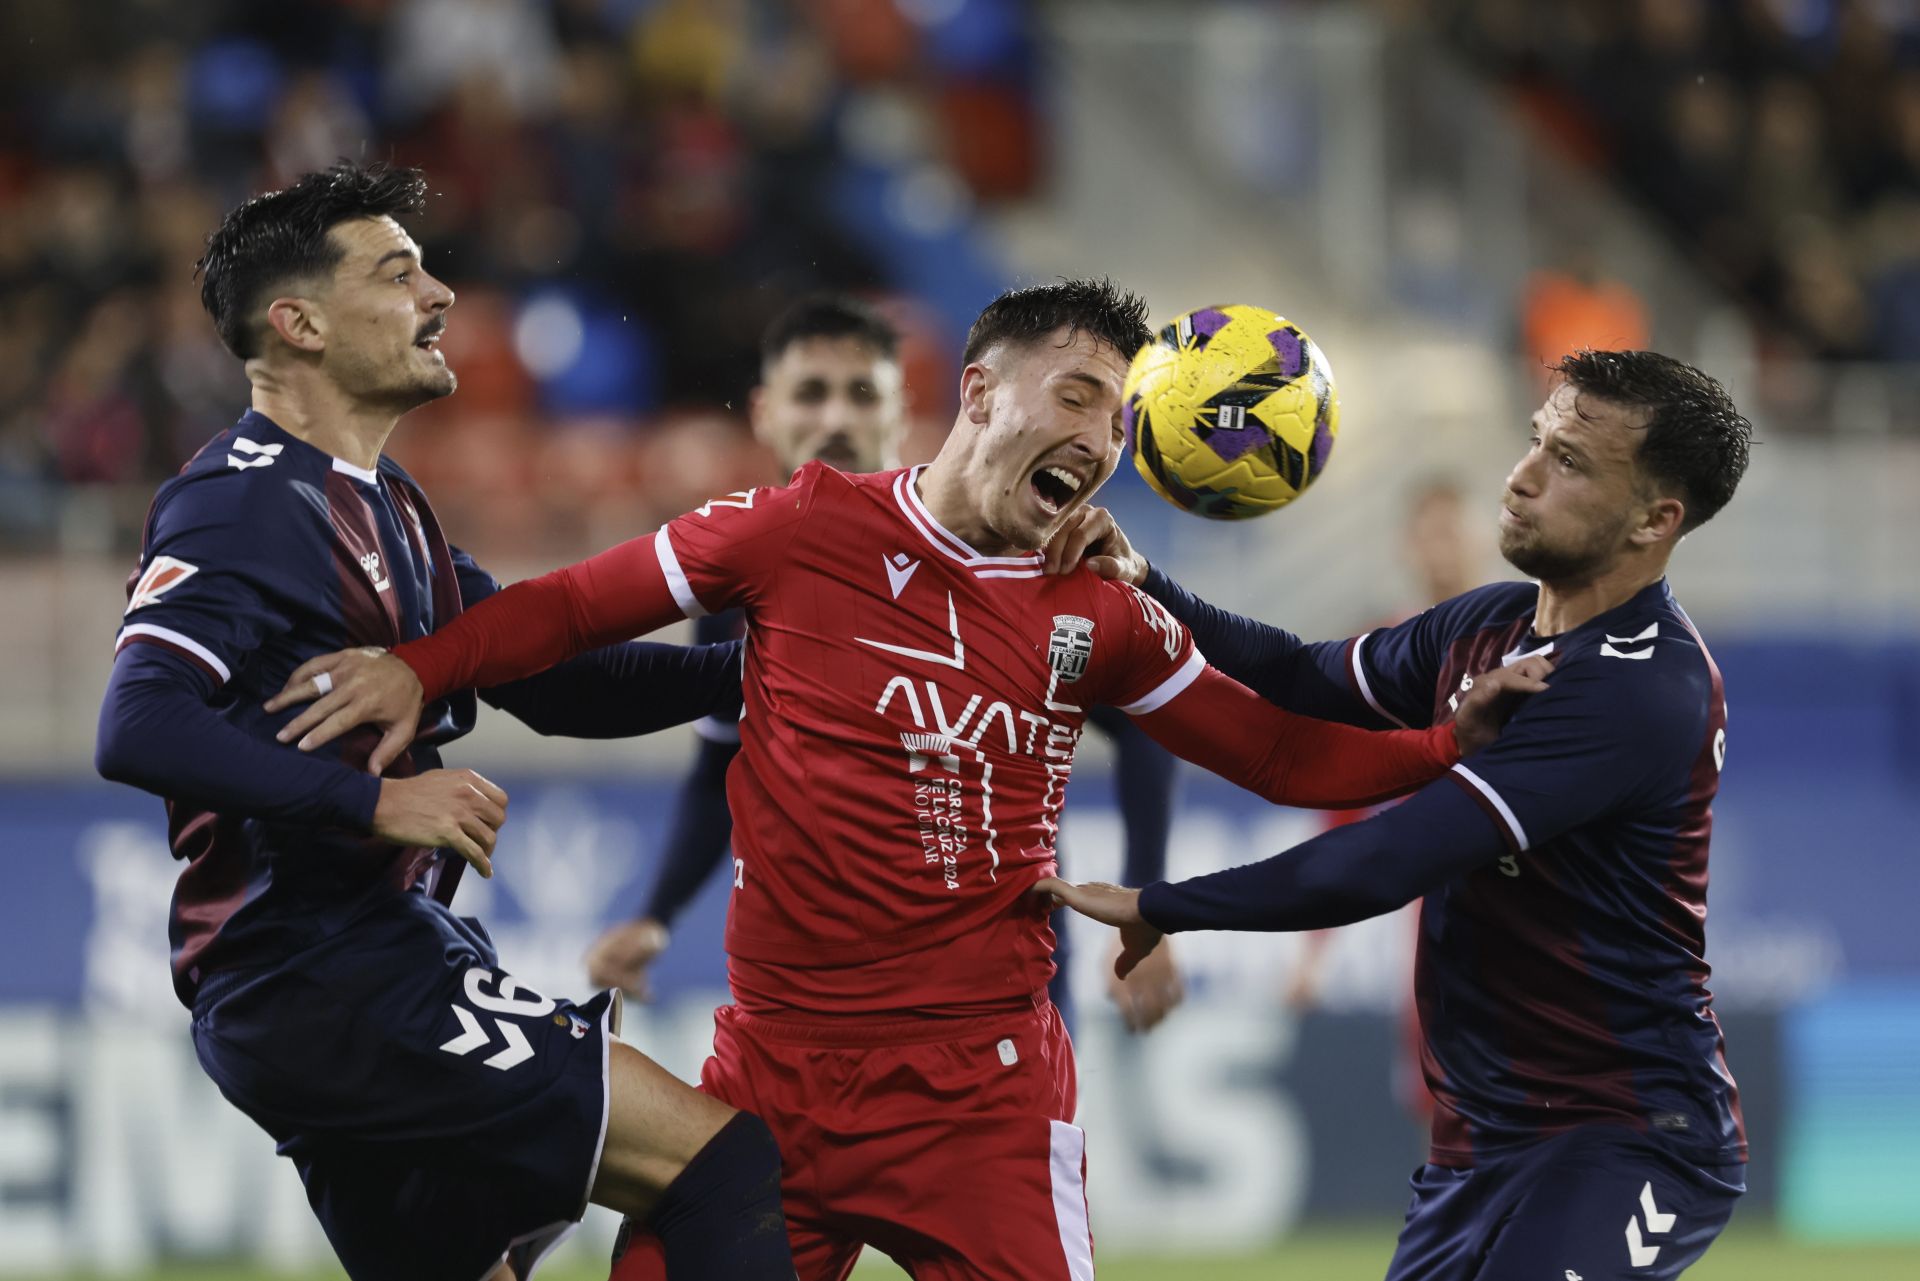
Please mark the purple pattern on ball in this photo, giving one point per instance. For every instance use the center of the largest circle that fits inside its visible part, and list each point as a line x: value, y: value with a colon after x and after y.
x: 1321, y: 447
x: 1209, y: 321
x: 1286, y: 346
x: 1231, y: 444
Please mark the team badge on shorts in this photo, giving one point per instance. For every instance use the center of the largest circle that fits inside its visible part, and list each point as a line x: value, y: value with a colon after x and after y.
x: 1070, y: 646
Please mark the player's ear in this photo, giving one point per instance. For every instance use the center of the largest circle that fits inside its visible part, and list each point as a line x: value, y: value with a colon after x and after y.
x: 976, y: 388
x: 298, y: 323
x: 757, y: 414
x: 1661, y: 523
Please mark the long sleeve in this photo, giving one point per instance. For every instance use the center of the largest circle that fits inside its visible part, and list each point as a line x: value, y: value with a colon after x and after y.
x: 620, y: 691
x: 702, y: 827
x: 1283, y: 669
x: 157, y: 733
x: 1221, y: 725
x: 1344, y: 875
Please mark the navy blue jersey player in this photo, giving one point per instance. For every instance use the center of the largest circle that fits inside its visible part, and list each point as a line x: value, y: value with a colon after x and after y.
x: 830, y: 389
x: 1586, y: 1123
x: 447, y: 1120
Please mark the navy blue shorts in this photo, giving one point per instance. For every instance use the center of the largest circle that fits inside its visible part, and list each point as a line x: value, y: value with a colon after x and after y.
x: 1599, y: 1203
x: 441, y: 1115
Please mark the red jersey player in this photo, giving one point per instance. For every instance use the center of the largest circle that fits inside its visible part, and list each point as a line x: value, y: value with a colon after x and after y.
x: 915, y: 687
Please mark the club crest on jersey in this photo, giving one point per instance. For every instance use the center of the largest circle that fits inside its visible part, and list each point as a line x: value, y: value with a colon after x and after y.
x: 1070, y: 646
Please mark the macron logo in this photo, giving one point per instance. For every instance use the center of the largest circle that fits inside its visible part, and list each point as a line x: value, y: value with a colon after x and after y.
x: 899, y: 570
x: 257, y: 455
x: 1607, y: 650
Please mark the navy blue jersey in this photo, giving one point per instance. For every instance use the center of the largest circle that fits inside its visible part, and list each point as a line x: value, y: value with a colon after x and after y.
x: 262, y: 553
x: 1560, y: 975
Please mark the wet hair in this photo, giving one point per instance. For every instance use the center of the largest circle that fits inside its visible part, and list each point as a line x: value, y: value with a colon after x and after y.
x: 281, y: 236
x: 1097, y: 308
x: 829, y: 316
x: 1696, y: 443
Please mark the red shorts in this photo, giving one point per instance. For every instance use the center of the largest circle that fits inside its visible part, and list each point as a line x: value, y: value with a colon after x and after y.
x: 946, y: 1144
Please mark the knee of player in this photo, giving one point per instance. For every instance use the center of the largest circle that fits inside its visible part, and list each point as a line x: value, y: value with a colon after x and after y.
x: 738, y: 1167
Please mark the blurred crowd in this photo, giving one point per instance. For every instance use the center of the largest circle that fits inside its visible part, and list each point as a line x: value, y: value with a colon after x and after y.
x: 1779, y: 138
x: 624, y: 192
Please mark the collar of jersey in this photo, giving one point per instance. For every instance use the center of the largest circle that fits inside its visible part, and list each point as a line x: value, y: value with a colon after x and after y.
x: 950, y: 544
x: 254, y: 424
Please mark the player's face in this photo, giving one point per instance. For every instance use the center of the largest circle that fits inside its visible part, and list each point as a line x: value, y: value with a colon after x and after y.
x: 1576, y: 494
x: 384, y: 314
x: 1046, y: 417
x: 832, y: 399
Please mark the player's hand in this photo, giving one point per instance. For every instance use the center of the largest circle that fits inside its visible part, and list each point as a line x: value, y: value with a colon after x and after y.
x: 1150, y: 992
x: 1493, y: 697
x: 1091, y: 534
x: 353, y: 687
x: 620, y: 956
x: 1111, y: 905
x: 447, y: 809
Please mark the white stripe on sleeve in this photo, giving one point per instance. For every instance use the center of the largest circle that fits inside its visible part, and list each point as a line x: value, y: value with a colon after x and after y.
x: 175, y: 639
x: 1485, y: 789
x: 676, y: 577
x: 1164, y: 692
x: 1360, y: 682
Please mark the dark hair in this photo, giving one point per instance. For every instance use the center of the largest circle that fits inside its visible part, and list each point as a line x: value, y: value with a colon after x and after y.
x: 1696, y: 443
x: 282, y: 236
x: 1095, y: 307
x: 829, y: 316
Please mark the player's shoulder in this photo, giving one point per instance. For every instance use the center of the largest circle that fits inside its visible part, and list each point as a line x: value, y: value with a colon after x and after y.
x: 251, y: 477
x: 1494, y: 605
x: 1642, y: 659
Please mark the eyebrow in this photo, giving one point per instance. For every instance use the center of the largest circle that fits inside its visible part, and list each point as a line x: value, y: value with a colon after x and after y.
x: 1088, y: 379
x: 391, y: 254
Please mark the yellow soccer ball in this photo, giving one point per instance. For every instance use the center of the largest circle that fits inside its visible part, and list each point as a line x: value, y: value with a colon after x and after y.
x: 1230, y: 412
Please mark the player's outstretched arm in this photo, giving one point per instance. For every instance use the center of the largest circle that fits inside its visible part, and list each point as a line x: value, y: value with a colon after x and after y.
x: 622, y: 691
x: 1223, y: 726
x: 1269, y: 660
x: 158, y: 733
x: 525, y: 629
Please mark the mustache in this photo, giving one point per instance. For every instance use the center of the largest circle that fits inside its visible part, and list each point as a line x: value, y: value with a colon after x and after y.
x: 438, y: 325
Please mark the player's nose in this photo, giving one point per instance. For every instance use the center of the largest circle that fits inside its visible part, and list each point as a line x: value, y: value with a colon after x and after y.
x: 437, y: 296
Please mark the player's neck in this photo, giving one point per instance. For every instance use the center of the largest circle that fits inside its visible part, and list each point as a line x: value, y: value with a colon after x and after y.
x: 326, y: 419
x: 944, y: 491
x: 1565, y: 604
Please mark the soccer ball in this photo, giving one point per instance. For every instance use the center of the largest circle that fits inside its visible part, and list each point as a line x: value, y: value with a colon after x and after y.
x: 1230, y: 412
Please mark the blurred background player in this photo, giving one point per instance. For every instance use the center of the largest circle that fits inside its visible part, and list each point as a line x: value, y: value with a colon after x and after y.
x: 1578, y: 1072
x: 447, y: 1120
x: 915, y: 687
x: 830, y: 390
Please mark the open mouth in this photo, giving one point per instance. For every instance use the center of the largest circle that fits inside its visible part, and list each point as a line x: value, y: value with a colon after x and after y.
x: 429, y: 342
x: 1055, y: 487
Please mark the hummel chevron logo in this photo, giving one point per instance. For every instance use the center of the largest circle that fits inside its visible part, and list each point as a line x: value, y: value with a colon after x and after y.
x: 259, y: 455
x: 1640, y: 1254
x: 473, y: 1036
x: 899, y: 570
x: 959, y: 659
x: 1607, y: 650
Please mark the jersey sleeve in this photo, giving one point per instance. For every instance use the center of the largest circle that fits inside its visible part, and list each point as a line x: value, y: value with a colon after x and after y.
x: 1606, y: 733
x: 721, y: 554
x: 209, y: 586
x: 1149, y: 655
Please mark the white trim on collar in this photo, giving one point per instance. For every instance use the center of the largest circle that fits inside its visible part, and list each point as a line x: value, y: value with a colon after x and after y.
x: 358, y: 473
x: 951, y: 545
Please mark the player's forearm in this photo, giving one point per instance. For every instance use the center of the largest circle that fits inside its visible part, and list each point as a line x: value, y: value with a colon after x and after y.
x: 1222, y: 726
x: 528, y: 627
x: 1344, y: 875
x: 697, y: 842
x: 1269, y: 660
x: 158, y: 734
x: 619, y: 691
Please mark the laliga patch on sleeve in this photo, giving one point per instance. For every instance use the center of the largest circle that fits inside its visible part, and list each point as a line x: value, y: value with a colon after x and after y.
x: 159, y: 578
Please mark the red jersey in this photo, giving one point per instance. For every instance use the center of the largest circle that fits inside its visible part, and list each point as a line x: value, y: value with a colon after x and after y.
x: 911, y: 713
